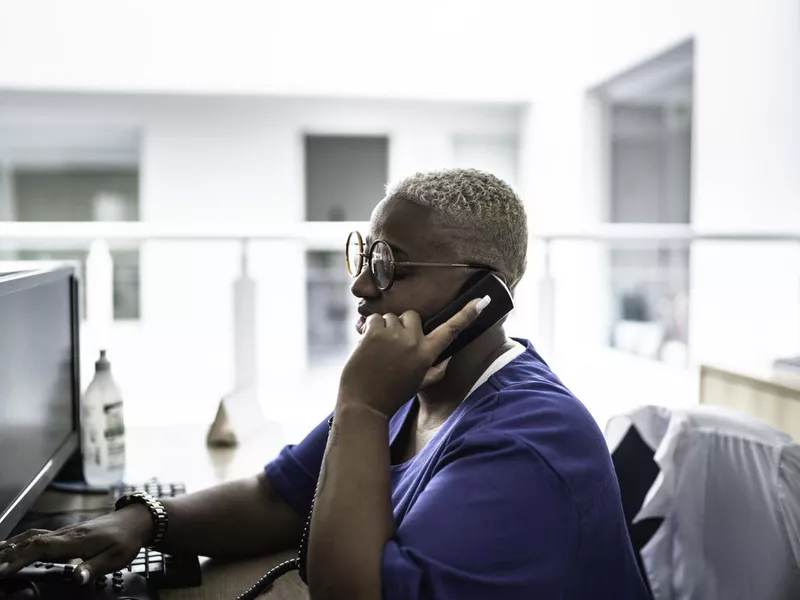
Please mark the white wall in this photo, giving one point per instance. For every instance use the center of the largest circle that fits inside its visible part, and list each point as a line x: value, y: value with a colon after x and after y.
x: 228, y: 161
x: 498, y: 155
x: 746, y: 301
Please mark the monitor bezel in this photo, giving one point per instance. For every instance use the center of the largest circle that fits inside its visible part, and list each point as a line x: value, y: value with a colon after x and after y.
x: 14, y: 283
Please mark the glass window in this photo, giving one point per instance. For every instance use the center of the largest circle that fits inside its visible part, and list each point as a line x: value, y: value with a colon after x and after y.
x: 79, y: 194
x: 648, y: 113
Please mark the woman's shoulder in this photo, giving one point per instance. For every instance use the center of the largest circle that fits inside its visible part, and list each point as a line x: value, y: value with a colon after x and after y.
x: 528, y: 399
x: 528, y: 406
x: 539, y: 413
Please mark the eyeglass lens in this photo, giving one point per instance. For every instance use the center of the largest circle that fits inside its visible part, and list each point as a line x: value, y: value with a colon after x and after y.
x: 355, y: 248
x: 381, y: 264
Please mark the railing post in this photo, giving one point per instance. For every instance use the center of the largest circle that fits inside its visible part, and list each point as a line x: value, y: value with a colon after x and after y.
x: 547, y: 304
x: 100, y: 292
x: 6, y: 192
x: 244, y: 327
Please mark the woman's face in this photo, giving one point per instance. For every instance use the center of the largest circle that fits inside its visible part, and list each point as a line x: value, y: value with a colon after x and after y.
x: 408, y: 230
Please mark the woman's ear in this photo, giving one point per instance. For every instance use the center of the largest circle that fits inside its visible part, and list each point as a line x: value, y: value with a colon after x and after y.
x: 473, y: 279
x: 512, y: 287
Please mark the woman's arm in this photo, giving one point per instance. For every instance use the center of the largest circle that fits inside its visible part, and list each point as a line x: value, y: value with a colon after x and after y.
x: 353, y: 517
x: 242, y: 518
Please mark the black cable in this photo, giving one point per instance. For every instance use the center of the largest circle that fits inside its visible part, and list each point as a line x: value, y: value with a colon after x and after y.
x: 264, y: 584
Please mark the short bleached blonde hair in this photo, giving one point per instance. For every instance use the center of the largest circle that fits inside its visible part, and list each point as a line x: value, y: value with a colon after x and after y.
x: 486, y: 215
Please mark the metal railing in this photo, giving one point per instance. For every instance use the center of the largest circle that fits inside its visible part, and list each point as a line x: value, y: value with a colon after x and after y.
x: 327, y: 236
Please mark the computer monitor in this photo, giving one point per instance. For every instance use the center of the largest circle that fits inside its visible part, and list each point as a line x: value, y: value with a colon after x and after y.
x: 39, y: 384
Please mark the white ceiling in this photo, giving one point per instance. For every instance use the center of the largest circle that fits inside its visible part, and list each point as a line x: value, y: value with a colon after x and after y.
x: 664, y: 80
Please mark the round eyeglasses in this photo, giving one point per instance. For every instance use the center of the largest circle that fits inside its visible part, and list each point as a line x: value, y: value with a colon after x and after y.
x: 381, y: 261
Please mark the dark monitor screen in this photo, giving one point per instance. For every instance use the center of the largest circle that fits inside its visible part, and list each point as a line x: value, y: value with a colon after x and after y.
x: 38, y: 385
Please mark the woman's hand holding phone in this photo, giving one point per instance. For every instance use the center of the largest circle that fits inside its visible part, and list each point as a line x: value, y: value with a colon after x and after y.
x: 394, y: 358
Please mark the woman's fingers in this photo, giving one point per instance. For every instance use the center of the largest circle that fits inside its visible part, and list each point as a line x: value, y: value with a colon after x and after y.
x: 11, y: 549
x: 105, y: 562
x: 392, y: 320
x: 41, y: 545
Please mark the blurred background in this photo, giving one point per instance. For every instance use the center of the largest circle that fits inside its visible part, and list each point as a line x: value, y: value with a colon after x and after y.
x: 204, y: 162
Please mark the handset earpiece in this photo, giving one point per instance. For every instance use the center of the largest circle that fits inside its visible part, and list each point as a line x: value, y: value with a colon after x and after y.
x: 484, y: 283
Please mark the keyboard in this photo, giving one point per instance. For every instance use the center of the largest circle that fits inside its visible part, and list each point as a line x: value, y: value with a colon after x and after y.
x: 153, y: 487
x: 163, y: 571
x: 57, y: 582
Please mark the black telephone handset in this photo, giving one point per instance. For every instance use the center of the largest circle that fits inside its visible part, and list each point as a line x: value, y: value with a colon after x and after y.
x: 483, y: 283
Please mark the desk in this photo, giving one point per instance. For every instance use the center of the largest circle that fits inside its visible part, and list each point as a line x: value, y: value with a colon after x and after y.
x: 227, y: 581
x: 180, y: 454
x: 766, y: 396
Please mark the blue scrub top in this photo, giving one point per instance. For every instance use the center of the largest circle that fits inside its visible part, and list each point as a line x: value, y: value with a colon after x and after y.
x: 514, y: 498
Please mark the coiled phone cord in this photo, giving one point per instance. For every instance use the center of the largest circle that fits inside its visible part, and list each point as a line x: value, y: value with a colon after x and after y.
x: 264, y: 584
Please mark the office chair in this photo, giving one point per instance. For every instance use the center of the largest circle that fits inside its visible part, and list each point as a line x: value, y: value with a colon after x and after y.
x: 713, y: 498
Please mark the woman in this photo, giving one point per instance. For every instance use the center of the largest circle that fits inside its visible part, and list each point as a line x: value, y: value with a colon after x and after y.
x: 483, y: 477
